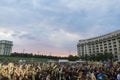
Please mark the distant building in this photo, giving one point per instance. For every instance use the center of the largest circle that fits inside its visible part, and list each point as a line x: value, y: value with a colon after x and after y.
x: 5, y: 47
x: 106, y: 43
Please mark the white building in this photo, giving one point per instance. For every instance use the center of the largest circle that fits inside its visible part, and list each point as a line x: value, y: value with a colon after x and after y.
x: 106, y: 43
x: 5, y: 47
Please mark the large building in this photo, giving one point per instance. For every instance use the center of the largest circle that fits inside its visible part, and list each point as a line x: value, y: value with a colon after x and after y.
x: 106, y: 43
x: 5, y: 47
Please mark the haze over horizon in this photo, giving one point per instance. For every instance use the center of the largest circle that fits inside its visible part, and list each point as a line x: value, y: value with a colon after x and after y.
x: 54, y: 27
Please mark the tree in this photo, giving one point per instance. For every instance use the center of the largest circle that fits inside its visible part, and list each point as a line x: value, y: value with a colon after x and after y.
x: 73, y: 58
x: 109, y: 56
x: 86, y: 57
x: 99, y: 57
x: 82, y: 57
x: 92, y: 57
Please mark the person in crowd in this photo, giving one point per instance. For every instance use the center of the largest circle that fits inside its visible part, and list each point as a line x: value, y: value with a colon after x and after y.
x: 118, y: 76
x: 58, y: 71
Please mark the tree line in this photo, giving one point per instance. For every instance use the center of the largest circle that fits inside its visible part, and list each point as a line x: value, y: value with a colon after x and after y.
x: 30, y: 55
x: 86, y: 57
x: 70, y: 57
x: 98, y: 57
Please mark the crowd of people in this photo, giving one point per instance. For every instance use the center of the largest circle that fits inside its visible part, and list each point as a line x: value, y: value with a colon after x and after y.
x: 59, y: 71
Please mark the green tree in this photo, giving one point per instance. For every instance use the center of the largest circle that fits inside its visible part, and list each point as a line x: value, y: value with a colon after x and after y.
x: 99, y: 57
x: 73, y: 58
x: 86, y: 57
x: 108, y: 56
x: 92, y: 57
x: 82, y: 57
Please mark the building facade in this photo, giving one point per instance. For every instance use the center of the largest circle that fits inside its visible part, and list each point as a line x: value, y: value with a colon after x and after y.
x: 106, y: 43
x: 5, y: 47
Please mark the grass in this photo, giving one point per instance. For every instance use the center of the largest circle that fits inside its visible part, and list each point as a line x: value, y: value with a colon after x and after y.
x: 17, y: 59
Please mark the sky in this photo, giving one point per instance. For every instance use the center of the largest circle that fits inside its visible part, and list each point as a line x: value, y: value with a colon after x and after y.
x: 54, y: 27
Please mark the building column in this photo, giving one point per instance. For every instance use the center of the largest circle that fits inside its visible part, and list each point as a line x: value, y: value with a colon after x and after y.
x: 91, y: 48
x: 103, y: 47
x: 87, y: 49
x: 99, y: 46
x: 84, y: 49
x: 118, y: 50
x: 112, y: 47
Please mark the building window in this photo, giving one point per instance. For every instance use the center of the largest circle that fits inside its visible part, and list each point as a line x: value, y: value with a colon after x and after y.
x: 110, y: 49
x: 114, y: 45
x: 109, y: 43
x: 105, y: 44
x: 101, y: 50
x: 104, y: 41
x: 113, y: 39
x: 115, y: 48
x: 110, y: 46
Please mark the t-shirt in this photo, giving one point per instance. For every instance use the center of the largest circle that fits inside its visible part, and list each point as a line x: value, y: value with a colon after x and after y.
x: 100, y: 76
x: 118, y: 77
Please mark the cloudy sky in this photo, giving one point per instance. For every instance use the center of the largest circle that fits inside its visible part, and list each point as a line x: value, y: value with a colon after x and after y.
x: 55, y: 26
